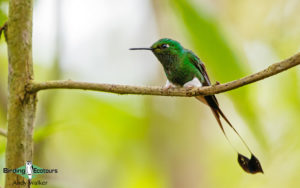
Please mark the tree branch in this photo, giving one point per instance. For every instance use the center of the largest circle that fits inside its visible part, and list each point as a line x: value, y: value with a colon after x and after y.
x: 21, y: 105
x: 274, y: 69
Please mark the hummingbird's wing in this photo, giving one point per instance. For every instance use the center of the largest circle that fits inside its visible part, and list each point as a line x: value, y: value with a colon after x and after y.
x: 249, y: 165
x: 209, y: 100
x: 200, y: 66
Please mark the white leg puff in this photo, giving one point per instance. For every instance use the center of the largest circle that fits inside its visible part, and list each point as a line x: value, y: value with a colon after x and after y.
x: 193, y: 83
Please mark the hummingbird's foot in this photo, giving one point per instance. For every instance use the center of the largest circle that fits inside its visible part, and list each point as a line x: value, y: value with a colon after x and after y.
x: 189, y: 87
x: 169, y: 85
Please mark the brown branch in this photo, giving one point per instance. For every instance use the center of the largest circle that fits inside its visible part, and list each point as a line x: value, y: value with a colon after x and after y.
x: 21, y: 105
x: 154, y: 90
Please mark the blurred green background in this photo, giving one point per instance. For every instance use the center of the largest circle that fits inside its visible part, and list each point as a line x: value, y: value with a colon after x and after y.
x: 113, y: 141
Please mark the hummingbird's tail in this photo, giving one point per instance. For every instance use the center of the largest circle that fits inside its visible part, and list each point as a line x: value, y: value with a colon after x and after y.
x: 249, y: 165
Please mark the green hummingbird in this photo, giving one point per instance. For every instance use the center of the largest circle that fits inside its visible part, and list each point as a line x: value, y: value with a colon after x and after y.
x: 184, y: 69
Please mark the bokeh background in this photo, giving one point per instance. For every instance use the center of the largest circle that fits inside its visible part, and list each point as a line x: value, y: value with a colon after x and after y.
x: 113, y: 141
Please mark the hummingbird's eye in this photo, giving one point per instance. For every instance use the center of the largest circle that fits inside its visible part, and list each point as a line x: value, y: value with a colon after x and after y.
x: 163, y: 46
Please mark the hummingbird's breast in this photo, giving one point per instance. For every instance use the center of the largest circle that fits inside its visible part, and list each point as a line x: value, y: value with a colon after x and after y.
x: 175, y: 68
x: 179, y: 74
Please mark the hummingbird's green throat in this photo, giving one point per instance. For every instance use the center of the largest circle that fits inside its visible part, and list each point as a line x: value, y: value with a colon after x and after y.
x: 184, y: 69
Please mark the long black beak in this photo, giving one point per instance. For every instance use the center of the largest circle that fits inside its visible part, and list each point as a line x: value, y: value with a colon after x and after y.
x: 140, y: 48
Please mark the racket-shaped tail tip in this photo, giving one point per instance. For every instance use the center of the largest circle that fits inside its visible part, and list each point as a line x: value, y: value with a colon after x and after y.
x: 251, y: 166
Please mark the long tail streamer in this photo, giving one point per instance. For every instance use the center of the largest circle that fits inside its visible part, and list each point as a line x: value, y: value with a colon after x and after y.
x: 251, y: 165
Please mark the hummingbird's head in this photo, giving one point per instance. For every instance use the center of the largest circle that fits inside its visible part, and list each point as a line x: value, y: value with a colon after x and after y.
x: 166, y: 46
x: 166, y: 50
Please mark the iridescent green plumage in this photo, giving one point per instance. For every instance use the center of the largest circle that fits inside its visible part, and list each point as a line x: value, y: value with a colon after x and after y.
x: 182, y: 66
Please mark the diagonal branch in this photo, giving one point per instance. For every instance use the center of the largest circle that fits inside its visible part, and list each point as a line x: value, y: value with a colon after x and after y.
x: 154, y: 90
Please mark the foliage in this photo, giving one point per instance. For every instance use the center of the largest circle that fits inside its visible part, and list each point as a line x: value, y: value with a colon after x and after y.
x: 105, y: 140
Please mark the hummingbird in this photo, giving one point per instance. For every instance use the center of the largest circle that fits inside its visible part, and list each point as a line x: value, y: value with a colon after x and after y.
x: 183, y: 68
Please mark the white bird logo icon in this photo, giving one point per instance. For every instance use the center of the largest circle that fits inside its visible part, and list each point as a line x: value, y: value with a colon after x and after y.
x: 29, y: 169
